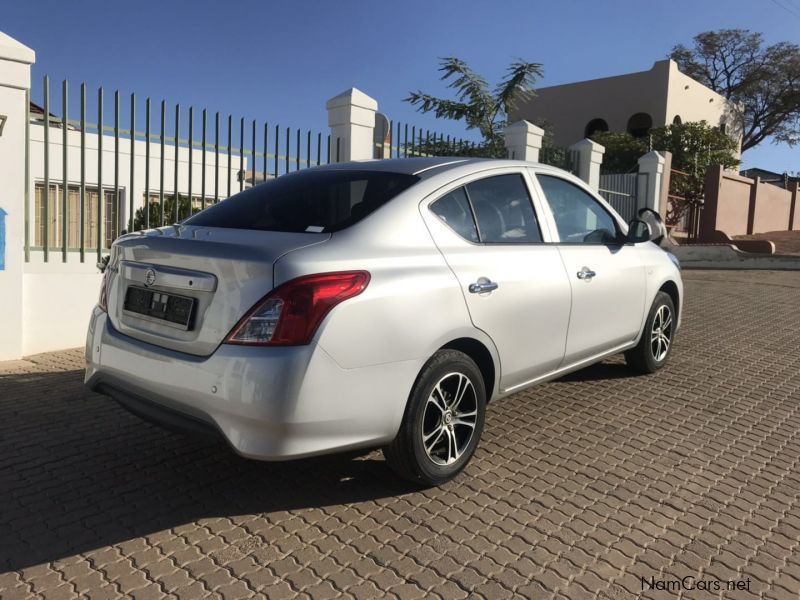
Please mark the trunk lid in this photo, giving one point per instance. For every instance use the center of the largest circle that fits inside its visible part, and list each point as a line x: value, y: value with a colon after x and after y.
x: 211, y: 277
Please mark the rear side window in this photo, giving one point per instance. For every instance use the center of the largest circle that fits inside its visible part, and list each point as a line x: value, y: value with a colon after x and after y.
x: 454, y: 210
x: 306, y: 201
x: 504, y: 211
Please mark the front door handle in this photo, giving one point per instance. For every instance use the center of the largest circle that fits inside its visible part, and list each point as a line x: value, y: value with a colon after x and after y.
x: 586, y: 273
x: 482, y: 285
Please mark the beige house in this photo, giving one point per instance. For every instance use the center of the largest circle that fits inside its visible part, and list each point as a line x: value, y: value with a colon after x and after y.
x: 634, y: 102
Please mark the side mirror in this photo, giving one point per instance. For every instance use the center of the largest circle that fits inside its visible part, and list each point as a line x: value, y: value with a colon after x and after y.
x: 639, y: 231
x: 656, y: 223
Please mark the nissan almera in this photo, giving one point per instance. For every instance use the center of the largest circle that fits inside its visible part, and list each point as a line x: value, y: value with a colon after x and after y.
x: 378, y: 304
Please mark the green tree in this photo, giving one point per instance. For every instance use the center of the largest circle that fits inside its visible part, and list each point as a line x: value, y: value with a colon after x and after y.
x: 154, y: 210
x: 694, y: 148
x: 762, y: 81
x: 476, y: 104
x: 622, y: 150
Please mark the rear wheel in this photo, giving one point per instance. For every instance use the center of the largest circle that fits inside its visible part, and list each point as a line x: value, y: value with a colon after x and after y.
x: 443, y: 421
x: 655, y: 345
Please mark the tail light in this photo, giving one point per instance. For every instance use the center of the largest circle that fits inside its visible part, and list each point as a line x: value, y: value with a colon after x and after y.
x: 291, y: 313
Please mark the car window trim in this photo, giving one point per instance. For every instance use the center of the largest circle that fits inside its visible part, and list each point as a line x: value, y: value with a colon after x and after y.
x: 472, y: 212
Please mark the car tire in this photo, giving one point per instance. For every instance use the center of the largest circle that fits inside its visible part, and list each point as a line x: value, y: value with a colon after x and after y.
x: 655, y: 344
x: 443, y: 421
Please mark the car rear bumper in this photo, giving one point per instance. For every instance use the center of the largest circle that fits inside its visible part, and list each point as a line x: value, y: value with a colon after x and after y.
x: 268, y: 403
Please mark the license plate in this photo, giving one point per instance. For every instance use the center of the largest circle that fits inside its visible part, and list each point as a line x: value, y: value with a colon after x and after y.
x: 174, y: 310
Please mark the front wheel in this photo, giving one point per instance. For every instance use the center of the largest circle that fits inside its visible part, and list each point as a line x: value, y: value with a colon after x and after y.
x: 443, y: 421
x: 655, y: 345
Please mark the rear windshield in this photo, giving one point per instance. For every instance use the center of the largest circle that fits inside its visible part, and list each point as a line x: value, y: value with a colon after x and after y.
x: 307, y: 201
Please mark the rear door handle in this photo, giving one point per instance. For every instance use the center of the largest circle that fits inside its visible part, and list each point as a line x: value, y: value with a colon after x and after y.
x: 482, y: 286
x: 586, y: 273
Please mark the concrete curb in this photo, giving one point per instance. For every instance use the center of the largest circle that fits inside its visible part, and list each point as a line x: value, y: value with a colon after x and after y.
x: 727, y: 256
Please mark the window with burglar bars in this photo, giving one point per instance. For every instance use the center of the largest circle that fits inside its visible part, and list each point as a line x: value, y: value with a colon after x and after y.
x: 146, y: 149
x: 55, y: 217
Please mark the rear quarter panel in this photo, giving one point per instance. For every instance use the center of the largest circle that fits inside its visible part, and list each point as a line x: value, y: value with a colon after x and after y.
x: 413, y: 304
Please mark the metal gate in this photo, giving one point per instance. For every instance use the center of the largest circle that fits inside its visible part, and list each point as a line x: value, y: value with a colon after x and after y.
x: 621, y: 191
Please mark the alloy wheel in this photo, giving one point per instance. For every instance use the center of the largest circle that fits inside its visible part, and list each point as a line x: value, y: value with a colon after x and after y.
x: 449, y: 419
x: 661, y: 333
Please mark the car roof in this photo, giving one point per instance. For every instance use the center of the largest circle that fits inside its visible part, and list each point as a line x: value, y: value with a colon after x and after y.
x: 425, y: 167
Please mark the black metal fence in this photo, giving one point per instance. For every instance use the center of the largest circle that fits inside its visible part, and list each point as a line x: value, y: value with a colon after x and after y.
x: 402, y: 140
x: 71, y: 215
x: 563, y: 158
x: 180, y: 160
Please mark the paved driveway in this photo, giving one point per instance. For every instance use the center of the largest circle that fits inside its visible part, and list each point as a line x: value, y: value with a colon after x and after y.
x: 596, y: 485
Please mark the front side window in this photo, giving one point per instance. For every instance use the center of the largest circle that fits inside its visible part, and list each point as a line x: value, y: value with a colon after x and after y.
x: 503, y: 209
x: 307, y: 201
x: 580, y: 219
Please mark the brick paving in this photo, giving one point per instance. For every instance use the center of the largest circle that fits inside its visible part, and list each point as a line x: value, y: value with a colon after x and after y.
x: 582, y: 488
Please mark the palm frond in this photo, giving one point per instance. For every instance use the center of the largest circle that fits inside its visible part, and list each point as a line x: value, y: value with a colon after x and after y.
x: 519, y: 81
x: 469, y: 85
x: 441, y: 107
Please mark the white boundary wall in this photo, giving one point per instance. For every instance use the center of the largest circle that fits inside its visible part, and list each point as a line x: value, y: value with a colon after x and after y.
x: 15, y: 71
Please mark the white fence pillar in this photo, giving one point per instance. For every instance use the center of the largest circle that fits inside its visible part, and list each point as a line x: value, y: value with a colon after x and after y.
x: 590, y: 158
x: 523, y: 141
x: 351, y: 117
x: 15, y: 82
x: 651, y: 164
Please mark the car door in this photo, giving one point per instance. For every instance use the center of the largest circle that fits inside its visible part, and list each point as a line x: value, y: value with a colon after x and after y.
x: 607, y: 276
x: 514, y: 284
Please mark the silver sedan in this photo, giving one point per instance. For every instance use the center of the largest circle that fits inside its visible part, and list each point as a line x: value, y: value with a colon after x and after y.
x: 378, y: 304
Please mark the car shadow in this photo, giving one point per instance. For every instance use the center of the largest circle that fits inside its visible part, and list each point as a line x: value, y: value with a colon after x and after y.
x: 77, y: 473
x: 599, y: 372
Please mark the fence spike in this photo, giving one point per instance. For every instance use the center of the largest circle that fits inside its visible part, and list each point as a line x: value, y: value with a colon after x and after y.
x: 147, y: 166
x: 64, y: 170
x: 132, y: 169
x: 46, y: 193
x: 191, y: 159
x: 100, y: 195
x: 203, y: 166
x: 176, y: 214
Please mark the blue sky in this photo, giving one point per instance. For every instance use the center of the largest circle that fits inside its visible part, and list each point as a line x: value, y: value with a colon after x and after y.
x: 281, y: 61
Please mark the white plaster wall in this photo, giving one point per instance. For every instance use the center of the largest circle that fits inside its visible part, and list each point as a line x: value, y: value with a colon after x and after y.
x: 12, y: 165
x: 662, y: 92
x: 58, y: 299
x: 568, y: 108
